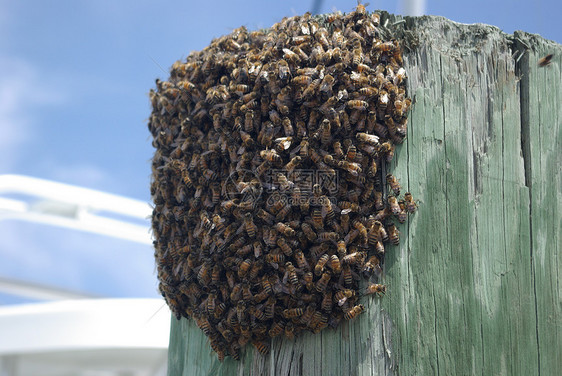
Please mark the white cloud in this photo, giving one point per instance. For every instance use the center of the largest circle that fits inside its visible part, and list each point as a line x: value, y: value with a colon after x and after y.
x: 21, y: 90
x: 83, y: 175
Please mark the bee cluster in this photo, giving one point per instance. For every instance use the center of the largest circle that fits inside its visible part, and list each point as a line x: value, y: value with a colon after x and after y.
x: 268, y: 184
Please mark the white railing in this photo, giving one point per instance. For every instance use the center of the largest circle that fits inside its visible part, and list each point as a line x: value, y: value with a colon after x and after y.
x: 73, y: 207
x: 72, y: 333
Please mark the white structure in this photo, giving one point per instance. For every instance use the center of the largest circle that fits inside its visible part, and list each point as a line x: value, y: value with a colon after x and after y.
x: 74, y: 334
x: 73, y: 207
x: 85, y: 337
x: 412, y: 7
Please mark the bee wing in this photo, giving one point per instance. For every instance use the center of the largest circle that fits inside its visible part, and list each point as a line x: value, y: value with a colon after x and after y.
x: 241, y: 229
x: 178, y: 267
x: 324, y: 212
x: 295, y: 150
x: 285, y: 277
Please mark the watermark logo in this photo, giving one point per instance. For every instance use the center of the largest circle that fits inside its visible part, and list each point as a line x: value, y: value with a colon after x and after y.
x: 296, y: 187
x: 304, y: 179
x: 283, y: 187
x: 243, y: 186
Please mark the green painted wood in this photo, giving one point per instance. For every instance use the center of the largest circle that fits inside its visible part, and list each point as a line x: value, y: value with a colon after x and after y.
x: 474, y: 287
x: 542, y: 98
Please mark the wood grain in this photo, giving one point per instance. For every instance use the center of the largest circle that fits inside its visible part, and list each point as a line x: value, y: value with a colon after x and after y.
x: 474, y: 286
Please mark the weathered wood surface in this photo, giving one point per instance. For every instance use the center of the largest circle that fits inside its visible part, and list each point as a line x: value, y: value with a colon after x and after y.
x: 474, y: 287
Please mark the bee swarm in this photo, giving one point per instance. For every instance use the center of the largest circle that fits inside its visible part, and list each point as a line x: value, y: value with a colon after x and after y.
x: 270, y: 199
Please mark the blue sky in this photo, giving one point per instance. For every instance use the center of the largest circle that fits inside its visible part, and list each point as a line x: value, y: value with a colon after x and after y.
x: 74, y: 78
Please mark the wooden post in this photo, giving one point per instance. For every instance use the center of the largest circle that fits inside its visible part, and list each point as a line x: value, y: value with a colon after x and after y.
x: 474, y: 286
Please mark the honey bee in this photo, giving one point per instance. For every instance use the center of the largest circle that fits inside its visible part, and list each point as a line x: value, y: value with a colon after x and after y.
x: 356, y: 104
x: 263, y: 347
x: 216, y: 274
x: 307, y: 315
x: 353, y: 258
x: 203, y: 275
x: 308, y: 278
x: 379, y: 247
x: 326, y: 85
x: 341, y: 249
x: 250, y: 226
x: 327, y: 208
x: 372, y: 266
x: 302, y: 97
x: 244, y: 268
x: 246, y: 292
x: 347, y: 275
x: 387, y: 148
x: 211, y: 303
x: 283, y: 70
x: 317, y: 220
x: 320, y: 265
x: 290, y: 330
x: 228, y: 205
x: 255, y: 270
x: 353, y: 312
x: 375, y: 288
x: 282, y: 243
x: 342, y: 296
x: 322, y: 283
x: 239, y: 89
x: 374, y: 234
x: 265, y: 216
x: 276, y: 329
x: 411, y: 206
x: 266, y: 133
x: 335, y: 264
x: 293, y: 312
x: 325, y: 305
x: 204, y: 324
x: 205, y: 221
x: 266, y: 285
x: 270, y: 156
x: 301, y: 129
x: 327, y: 236
x: 338, y: 150
x: 393, y: 203
x: 241, y: 311
x: 367, y: 138
x: 236, y: 292
x: 344, y: 120
x: 269, y: 308
x: 393, y: 182
x: 293, y: 163
x: 379, y: 203
x: 275, y: 258
x: 249, y: 121
x: 283, y: 212
x: 301, y: 261
x: 284, y: 183
x: 291, y: 56
x: 351, y: 167
x: 357, y: 55
x: 545, y: 60
x: 275, y: 117
x: 284, y: 229
x: 311, y: 90
x: 351, y: 153
x: 393, y: 234
x: 288, y: 127
x: 308, y: 232
x: 302, y: 80
x: 362, y: 230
